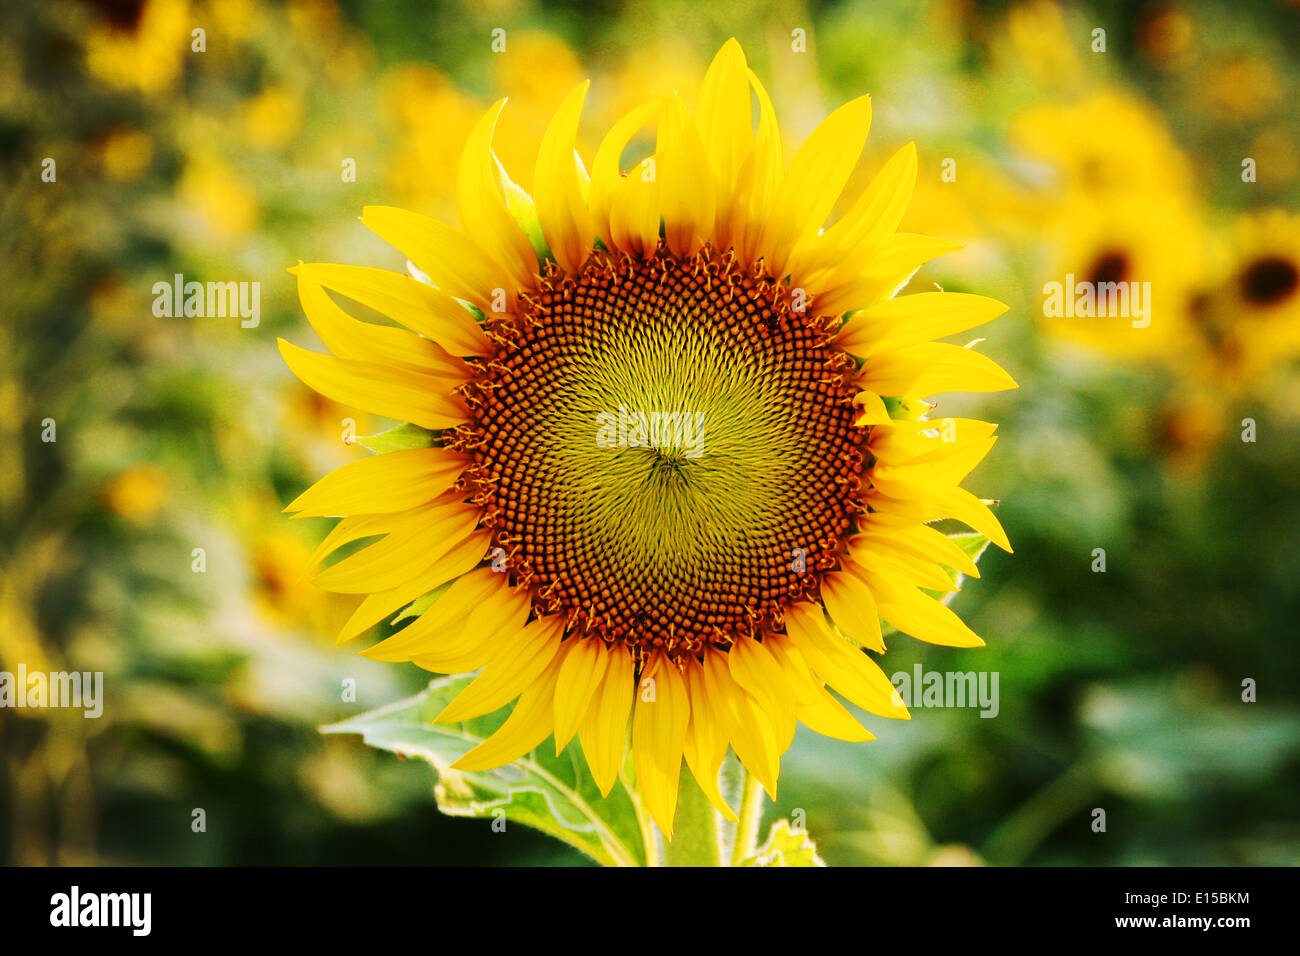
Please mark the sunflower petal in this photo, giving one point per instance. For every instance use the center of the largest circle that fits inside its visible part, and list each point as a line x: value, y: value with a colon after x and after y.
x: 517, y: 660
x: 404, y: 394
x: 454, y: 262
x: 561, y: 184
x: 604, y: 730
x: 841, y: 665
x: 705, y: 746
x: 687, y: 201
x: 815, y: 179
x: 527, y: 726
x: 417, y: 305
x: 581, y: 672
x: 460, y: 559
x: 852, y: 607
x: 658, y: 734
x: 381, y: 484
x: 480, y: 196
x: 912, y: 319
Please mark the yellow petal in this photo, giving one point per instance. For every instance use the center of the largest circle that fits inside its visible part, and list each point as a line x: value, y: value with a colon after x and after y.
x: 912, y: 319
x: 527, y: 726
x: 966, y: 508
x: 759, y: 177
x: 918, y: 614
x: 707, y: 734
x: 841, y: 665
x: 447, y: 616
x: 581, y: 672
x: 381, y: 484
x: 469, y: 646
x: 417, y: 305
x: 753, y: 736
x: 815, y: 179
x: 852, y: 607
x: 887, y: 272
x: 873, y: 408
x: 404, y: 394
x: 686, y: 194
x: 815, y: 708
x: 658, y: 733
x: 460, y: 559
x: 931, y: 368
x: 390, y: 563
x: 481, y: 182
x: 871, y: 220
x: 634, y: 214
x: 561, y: 185
x: 607, y: 182
x: 880, y: 552
x: 350, y: 338
x: 454, y: 262
x: 921, y: 540
x: 350, y: 529
x: 517, y: 660
x: 604, y: 730
x: 757, y: 671
x: 723, y: 118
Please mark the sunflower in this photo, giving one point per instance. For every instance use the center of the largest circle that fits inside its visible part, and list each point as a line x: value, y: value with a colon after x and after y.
x: 1248, y: 322
x: 1151, y: 246
x: 652, y: 475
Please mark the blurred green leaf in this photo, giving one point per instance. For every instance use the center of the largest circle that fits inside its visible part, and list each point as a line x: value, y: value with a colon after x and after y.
x: 554, y: 794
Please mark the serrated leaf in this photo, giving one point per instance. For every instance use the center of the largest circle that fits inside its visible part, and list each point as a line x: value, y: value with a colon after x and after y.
x: 400, y: 438
x: 553, y: 794
x: 785, y: 847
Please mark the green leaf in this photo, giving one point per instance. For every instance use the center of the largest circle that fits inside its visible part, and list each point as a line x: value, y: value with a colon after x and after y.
x: 422, y: 603
x: 906, y: 409
x: 398, y: 439
x: 553, y: 794
x: 785, y: 847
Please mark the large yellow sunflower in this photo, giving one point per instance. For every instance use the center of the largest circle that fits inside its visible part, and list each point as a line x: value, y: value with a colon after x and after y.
x: 661, y: 482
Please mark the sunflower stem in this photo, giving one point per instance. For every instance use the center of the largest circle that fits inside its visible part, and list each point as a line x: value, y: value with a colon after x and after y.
x: 697, y: 829
x: 649, y: 843
x: 751, y: 813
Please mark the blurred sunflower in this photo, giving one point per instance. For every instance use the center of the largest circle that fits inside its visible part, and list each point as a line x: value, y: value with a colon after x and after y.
x: 140, y: 44
x: 709, y: 579
x: 1249, y: 322
x: 1148, y: 239
x: 1107, y: 143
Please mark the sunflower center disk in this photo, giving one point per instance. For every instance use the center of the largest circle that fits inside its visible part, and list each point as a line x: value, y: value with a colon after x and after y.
x: 664, y: 451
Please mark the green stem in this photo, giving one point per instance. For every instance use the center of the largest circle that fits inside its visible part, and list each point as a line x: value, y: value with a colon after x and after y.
x: 696, y: 829
x: 644, y: 823
x: 751, y: 813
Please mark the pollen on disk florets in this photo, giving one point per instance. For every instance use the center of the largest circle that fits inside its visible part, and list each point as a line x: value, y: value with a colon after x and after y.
x: 664, y: 450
